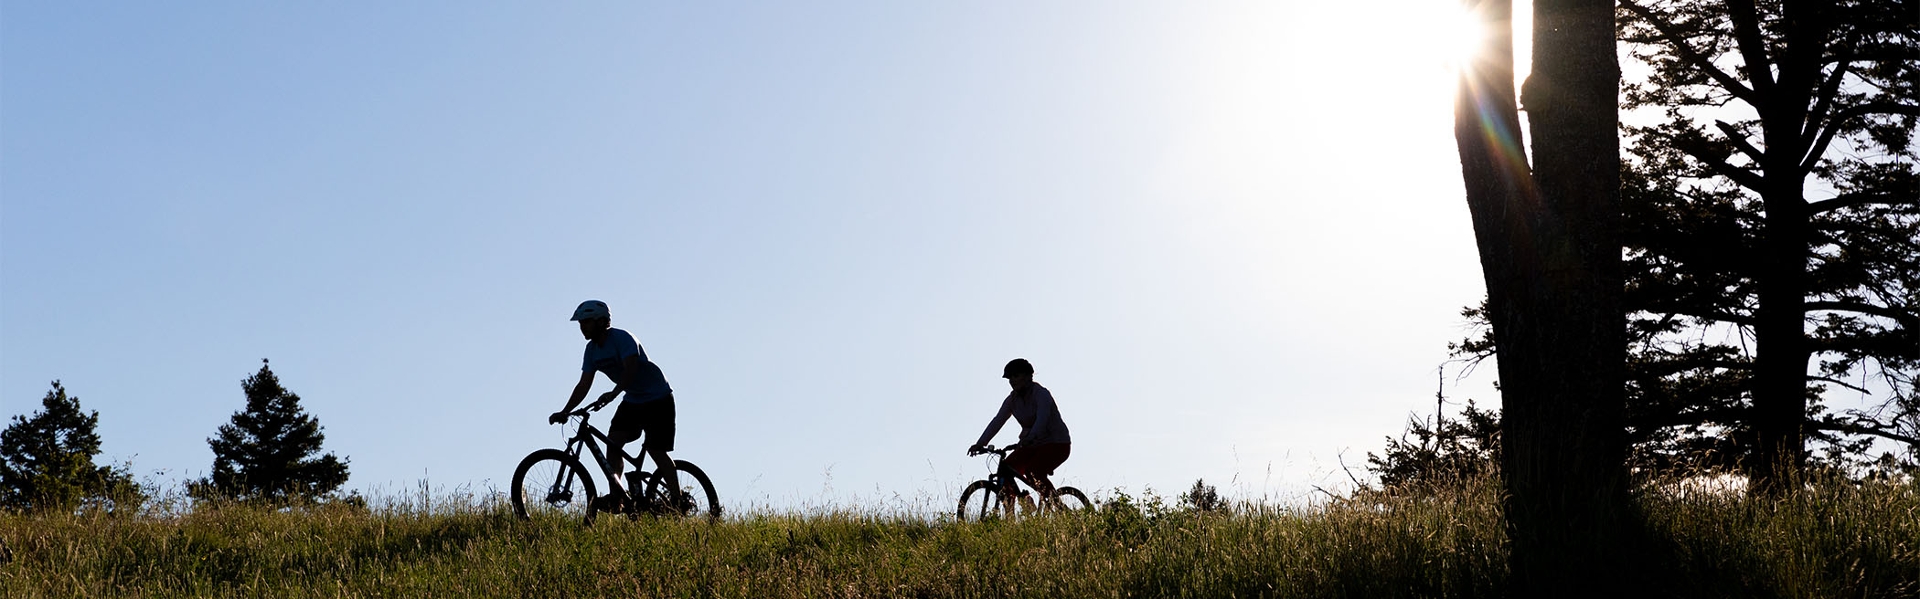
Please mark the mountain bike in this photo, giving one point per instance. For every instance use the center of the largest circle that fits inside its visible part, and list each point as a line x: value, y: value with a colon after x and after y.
x: 554, y: 482
x: 988, y: 497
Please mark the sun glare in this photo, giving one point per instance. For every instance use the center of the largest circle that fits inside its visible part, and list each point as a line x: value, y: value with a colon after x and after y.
x: 1462, y: 33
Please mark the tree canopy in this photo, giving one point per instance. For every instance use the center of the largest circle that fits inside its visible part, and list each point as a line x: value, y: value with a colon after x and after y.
x: 1786, y: 194
x: 46, y: 460
x: 271, y: 450
x: 1772, y: 230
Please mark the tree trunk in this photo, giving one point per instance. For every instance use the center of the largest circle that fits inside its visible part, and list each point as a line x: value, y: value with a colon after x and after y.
x: 1781, y: 351
x: 1550, y: 253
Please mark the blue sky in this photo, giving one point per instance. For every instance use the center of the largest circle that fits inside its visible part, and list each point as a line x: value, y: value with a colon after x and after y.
x: 1229, y: 235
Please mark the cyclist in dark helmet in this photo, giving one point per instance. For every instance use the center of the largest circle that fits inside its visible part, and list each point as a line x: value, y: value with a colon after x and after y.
x: 1044, y: 443
x: 648, y: 406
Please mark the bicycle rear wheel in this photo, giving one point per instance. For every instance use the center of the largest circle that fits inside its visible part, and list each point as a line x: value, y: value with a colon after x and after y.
x: 1069, y: 499
x: 982, y: 500
x: 696, y: 496
x: 550, y: 483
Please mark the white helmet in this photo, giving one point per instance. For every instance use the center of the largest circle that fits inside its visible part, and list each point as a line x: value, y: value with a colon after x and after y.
x: 590, y: 309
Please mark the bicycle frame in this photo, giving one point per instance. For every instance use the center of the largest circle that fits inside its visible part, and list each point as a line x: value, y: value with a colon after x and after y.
x: 587, y: 437
x: 993, y: 473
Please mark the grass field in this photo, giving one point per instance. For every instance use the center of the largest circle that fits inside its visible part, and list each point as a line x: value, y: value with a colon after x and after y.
x: 1828, y: 541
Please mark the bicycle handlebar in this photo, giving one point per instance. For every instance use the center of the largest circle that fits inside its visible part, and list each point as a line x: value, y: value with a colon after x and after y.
x: 590, y: 408
x: 1002, y: 452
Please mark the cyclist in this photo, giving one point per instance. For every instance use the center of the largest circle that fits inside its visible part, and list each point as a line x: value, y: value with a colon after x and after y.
x: 1044, y: 443
x: 648, y: 406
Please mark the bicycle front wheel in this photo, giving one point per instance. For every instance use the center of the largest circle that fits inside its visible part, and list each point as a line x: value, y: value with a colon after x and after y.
x: 981, y: 500
x: 551, y: 483
x: 695, y: 496
x: 1069, y: 499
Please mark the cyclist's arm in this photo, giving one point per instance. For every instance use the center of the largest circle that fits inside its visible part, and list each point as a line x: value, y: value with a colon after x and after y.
x: 579, y: 393
x: 999, y: 420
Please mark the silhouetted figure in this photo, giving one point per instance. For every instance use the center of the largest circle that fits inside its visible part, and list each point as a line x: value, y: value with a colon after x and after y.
x: 648, y: 406
x: 1043, y: 444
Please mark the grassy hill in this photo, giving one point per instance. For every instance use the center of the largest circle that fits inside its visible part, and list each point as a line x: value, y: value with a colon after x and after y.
x: 1833, y: 540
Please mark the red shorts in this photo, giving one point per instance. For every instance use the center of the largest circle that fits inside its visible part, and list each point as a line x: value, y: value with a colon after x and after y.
x: 1038, y: 460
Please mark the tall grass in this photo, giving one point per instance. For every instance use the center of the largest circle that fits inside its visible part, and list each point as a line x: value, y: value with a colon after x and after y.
x: 1832, y: 541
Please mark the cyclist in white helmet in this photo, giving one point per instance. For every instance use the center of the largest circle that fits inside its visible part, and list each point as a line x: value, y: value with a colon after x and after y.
x: 648, y: 406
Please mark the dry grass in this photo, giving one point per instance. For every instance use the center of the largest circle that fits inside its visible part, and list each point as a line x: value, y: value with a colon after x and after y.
x: 1837, y: 541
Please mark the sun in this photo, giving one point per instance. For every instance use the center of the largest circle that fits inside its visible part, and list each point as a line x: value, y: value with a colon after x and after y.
x: 1459, y: 34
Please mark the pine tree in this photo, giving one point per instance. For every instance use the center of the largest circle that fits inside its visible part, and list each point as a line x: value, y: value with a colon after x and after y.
x: 1771, y: 229
x: 269, y: 451
x: 46, y: 461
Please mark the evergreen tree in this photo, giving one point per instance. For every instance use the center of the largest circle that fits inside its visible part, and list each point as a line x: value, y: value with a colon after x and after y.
x: 1771, y: 231
x: 46, y: 461
x: 269, y: 450
x: 1440, y: 453
x: 1771, y: 222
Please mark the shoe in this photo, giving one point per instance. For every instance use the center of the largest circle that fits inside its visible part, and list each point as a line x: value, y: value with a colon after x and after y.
x: 612, y: 504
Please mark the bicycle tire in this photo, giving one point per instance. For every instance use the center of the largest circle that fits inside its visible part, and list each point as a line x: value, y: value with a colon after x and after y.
x: 557, y: 485
x: 1069, y: 499
x: 980, y: 502
x: 702, y: 499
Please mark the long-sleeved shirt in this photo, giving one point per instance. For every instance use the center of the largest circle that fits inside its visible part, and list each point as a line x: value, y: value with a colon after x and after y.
x: 1038, y: 416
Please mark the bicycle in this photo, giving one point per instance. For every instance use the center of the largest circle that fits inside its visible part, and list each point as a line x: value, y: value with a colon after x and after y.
x: 553, y: 482
x: 988, y: 497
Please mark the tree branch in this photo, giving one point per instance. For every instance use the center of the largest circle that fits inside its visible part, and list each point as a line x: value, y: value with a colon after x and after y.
x: 1721, y: 167
x: 1865, y: 430
x: 1739, y: 140
x: 1849, y: 200
x: 1905, y: 318
x: 1840, y: 383
x: 1875, y: 54
x: 1722, y: 415
x: 1716, y: 316
x: 1660, y: 370
x: 1753, y: 48
x: 1819, y: 148
x: 1823, y: 103
x: 1687, y: 52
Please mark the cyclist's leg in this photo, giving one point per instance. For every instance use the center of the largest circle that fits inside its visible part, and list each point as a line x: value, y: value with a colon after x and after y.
x: 1040, y: 483
x: 1039, y: 462
x: 626, y: 426
x: 658, y: 422
x: 1008, y: 472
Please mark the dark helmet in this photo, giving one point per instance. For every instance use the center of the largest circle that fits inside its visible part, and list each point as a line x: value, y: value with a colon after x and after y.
x: 1018, y: 367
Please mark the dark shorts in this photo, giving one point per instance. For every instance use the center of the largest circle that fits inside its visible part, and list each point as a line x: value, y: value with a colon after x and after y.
x: 1038, y: 460
x: 655, y: 418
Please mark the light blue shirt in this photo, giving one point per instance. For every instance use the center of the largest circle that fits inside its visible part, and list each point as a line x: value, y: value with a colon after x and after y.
x: 606, y: 357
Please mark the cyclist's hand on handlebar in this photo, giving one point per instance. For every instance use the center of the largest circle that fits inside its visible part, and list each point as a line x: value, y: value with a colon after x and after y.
x: 557, y: 417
